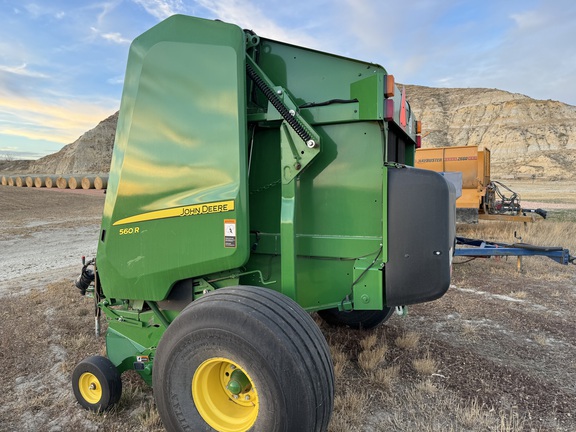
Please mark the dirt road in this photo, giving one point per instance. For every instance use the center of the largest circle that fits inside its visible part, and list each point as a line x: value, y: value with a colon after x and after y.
x: 497, y: 352
x: 44, y: 233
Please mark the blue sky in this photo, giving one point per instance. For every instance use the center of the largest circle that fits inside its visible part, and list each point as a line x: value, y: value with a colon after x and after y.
x: 62, y: 62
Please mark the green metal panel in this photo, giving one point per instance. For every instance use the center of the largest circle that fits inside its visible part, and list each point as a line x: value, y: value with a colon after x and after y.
x: 312, y: 76
x: 369, y: 91
x: 178, y: 177
x: 368, y: 289
x: 338, y: 215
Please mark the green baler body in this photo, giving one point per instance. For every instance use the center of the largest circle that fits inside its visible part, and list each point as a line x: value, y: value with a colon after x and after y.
x: 208, y: 186
x: 181, y: 142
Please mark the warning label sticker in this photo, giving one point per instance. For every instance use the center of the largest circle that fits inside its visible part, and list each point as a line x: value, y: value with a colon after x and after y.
x: 230, y: 233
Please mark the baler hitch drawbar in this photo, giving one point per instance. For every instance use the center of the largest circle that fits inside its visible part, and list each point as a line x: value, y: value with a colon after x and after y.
x: 482, y: 249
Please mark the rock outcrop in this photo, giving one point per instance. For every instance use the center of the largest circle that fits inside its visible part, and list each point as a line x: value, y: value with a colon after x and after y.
x: 526, y: 137
x: 89, y: 154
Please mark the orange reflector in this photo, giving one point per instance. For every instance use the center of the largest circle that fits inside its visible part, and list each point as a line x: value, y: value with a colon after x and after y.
x: 418, y: 127
x: 389, y: 109
x: 389, y: 86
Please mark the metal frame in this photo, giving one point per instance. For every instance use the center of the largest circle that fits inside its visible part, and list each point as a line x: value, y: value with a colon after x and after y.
x: 483, y: 248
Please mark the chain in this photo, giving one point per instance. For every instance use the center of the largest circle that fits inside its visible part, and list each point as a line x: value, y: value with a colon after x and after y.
x: 394, y: 165
x: 268, y: 186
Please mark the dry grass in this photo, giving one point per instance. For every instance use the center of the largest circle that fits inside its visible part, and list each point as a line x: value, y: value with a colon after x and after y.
x: 425, y: 365
x: 385, y: 377
x: 340, y: 361
x: 518, y: 294
x: 540, y: 233
x: 368, y: 342
x: 545, y: 191
x: 369, y: 360
x: 379, y: 386
x: 149, y: 417
x: 409, y: 340
x: 541, y: 339
x: 511, y: 421
x: 349, y: 407
x: 426, y: 388
x: 470, y: 331
x: 471, y: 414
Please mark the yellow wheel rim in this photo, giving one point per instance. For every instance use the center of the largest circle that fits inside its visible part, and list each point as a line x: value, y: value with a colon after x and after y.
x: 90, y: 388
x: 218, y: 406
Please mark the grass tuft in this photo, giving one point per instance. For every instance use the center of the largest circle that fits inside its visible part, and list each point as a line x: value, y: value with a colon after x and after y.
x: 425, y: 365
x: 370, y: 359
x: 408, y: 340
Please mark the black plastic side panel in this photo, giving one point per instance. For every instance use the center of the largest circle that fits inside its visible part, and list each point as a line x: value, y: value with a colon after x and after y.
x: 421, y: 234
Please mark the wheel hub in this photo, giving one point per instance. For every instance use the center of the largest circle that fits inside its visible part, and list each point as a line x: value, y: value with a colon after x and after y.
x: 225, y: 395
x: 90, y: 388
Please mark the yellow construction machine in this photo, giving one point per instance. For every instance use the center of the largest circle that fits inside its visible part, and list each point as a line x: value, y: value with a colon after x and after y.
x: 482, y: 198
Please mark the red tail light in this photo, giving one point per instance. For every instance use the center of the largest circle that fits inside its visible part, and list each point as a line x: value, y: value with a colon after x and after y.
x: 389, y: 109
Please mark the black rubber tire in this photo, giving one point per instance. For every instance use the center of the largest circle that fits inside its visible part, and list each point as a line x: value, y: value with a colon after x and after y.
x: 274, y: 340
x: 358, y: 319
x: 108, y: 379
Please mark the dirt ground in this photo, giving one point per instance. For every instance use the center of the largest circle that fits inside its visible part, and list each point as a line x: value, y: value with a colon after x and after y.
x: 497, y: 352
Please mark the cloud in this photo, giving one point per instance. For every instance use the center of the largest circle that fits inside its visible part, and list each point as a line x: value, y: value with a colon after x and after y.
x: 38, y: 11
x: 534, y: 54
x: 161, y: 9
x: 116, y: 38
x: 116, y: 80
x: 13, y: 153
x: 60, y: 120
x: 249, y: 15
x: 22, y: 70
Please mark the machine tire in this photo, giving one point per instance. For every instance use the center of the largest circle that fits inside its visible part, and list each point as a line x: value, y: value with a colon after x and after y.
x: 270, y: 339
x: 96, y: 383
x: 358, y: 319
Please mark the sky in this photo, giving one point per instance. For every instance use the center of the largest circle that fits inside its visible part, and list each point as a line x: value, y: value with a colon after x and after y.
x: 62, y: 62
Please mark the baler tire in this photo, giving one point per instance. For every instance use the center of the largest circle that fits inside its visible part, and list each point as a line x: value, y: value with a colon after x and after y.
x: 96, y: 383
x: 270, y: 339
x: 358, y: 319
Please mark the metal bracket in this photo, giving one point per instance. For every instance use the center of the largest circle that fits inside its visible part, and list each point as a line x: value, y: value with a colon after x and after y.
x: 300, y: 143
x: 296, y: 155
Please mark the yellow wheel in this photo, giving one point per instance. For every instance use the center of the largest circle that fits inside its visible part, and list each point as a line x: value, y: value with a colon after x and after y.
x: 224, y: 395
x: 243, y: 359
x: 96, y: 383
x: 90, y: 388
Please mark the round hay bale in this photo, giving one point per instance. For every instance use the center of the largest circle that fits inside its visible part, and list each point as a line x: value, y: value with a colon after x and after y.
x: 4, y: 181
x: 74, y: 182
x: 50, y: 181
x: 88, y: 182
x: 62, y: 182
x: 101, y: 182
x: 29, y: 181
x: 20, y: 182
x: 10, y: 181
